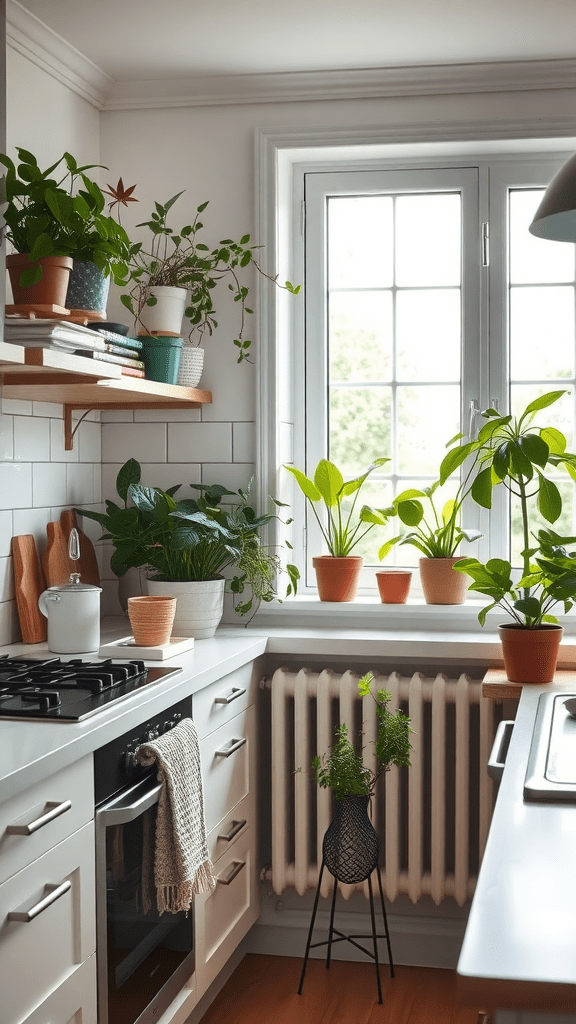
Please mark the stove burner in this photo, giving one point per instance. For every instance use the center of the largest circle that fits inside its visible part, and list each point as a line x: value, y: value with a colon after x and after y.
x: 68, y: 690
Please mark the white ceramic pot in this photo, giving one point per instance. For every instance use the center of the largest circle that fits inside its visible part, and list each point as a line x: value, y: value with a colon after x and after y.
x: 166, y: 316
x: 191, y: 366
x: 73, y: 613
x: 199, y: 606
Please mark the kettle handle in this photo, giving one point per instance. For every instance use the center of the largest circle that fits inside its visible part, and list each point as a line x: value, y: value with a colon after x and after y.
x: 44, y: 598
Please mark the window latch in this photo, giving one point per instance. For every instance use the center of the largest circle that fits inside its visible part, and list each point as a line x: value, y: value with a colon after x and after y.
x: 474, y: 410
x: 485, y: 244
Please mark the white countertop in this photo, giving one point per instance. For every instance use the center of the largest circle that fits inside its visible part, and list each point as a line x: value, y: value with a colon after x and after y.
x: 520, y: 943
x: 30, y: 750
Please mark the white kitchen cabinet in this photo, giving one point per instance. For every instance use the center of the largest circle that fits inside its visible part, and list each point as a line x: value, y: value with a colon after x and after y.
x: 37, y: 955
x: 227, y: 756
x: 73, y: 1002
x: 223, y: 700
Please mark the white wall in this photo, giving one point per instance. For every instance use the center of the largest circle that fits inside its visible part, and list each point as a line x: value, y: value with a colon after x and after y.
x: 38, y: 478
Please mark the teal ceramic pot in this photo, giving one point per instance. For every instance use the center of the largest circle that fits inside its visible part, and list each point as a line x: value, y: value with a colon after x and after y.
x: 162, y: 358
x: 87, y: 288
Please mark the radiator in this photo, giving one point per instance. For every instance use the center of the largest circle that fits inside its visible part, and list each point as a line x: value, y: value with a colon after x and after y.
x: 432, y: 818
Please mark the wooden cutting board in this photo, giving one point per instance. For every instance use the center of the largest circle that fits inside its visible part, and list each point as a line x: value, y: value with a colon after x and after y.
x: 55, y: 562
x: 87, y: 564
x: 28, y: 585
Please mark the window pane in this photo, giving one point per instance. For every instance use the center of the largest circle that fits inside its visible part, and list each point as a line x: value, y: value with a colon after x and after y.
x: 359, y: 427
x: 564, y: 525
x: 427, y: 418
x: 428, y: 240
x: 360, y: 343
x: 535, y: 259
x: 542, y: 332
x: 428, y: 326
x: 360, y: 242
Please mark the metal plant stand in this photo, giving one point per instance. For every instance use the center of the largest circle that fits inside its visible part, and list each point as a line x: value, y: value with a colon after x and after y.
x: 350, y: 853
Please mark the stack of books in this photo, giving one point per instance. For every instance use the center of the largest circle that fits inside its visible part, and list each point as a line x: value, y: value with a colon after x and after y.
x: 66, y: 336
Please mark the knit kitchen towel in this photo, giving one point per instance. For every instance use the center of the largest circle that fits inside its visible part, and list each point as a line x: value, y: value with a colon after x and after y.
x: 182, y: 866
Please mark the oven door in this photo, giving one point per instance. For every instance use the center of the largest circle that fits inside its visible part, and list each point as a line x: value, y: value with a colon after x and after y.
x: 143, y: 958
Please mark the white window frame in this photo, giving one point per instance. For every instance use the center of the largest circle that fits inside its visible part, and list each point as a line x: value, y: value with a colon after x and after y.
x: 283, y: 159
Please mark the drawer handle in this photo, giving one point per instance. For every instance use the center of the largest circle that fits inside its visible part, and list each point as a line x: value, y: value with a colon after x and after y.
x: 54, y: 811
x: 227, y: 698
x: 235, y: 828
x: 234, y: 745
x: 237, y: 866
x: 53, y: 893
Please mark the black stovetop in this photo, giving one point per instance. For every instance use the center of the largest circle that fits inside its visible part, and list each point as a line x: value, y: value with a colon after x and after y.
x: 68, y: 691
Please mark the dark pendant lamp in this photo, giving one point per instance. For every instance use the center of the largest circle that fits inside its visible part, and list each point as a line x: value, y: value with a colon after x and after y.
x: 556, y: 216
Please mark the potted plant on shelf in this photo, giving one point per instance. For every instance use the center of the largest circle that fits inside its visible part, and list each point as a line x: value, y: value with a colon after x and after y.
x: 515, y: 451
x: 56, y: 224
x: 185, y: 546
x: 175, y: 276
x: 337, y: 573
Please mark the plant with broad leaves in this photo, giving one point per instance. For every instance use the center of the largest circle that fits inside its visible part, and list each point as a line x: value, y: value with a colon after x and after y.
x: 60, y: 216
x: 518, y: 453
x: 179, y: 259
x: 435, y: 534
x: 192, y: 538
x: 342, y: 531
x: 343, y: 770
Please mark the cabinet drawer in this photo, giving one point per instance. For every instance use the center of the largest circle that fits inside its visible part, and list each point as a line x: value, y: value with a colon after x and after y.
x: 229, y: 911
x: 234, y: 825
x: 37, y: 956
x: 218, y: 703
x: 44, y: 808
x: 74, y: 1002
x: 226, y: 757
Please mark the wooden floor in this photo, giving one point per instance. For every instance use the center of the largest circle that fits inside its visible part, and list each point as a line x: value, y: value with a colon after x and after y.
x: 263, y: 990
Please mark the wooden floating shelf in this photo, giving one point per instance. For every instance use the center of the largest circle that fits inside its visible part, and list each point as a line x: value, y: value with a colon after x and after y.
x: 81, y: 383
x: 498, y: 687
x: 51, y: 312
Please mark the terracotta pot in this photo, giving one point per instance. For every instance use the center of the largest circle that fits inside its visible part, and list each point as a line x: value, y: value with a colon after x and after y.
x: 530, y: 655
x: 337, y: 578
x: 151, y: 619
x: 394, y: 585
x: 50, y: 289
x: 441, y: 585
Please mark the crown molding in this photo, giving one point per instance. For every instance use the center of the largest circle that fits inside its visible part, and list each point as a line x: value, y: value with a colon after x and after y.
x: 30, y: 37
x: 367, y: 83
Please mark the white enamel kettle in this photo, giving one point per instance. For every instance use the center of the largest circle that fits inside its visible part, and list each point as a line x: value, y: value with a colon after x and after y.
x: 73, y: 611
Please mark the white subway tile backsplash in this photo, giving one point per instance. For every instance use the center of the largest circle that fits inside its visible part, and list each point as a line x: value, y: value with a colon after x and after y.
x: 97, y: 481
x: 243, y: 442
x: 79, y: 484
x: 117, y: 416
x: 168, y: 474
x: 199, y: 442
x: 88, y: 442
x: 231, y: 476
x: 16, y: 406
x: 143, y: 441
x: 6, y: 580
x: 6, y: 533
x: 6, y: 437
x: 9, y: 625
x: 31, y: 439
x: 48, y: 483
x: 32, y: 520
x: 53, y: 409
x: 167, y: 415
x: 16, y: 485
x: 57, y: 451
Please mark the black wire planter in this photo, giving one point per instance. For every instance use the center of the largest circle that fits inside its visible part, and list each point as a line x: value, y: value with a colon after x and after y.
x: 350, y: 850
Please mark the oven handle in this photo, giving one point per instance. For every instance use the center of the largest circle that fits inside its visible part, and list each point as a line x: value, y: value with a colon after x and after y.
x: 120, y: 812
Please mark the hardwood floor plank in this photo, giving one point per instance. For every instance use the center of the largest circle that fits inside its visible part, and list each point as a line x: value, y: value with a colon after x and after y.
x: 263, y: 990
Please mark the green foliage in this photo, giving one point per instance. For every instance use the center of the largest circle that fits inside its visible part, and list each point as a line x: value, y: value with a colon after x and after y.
x: 343, y: 769
x: 193, y: 538
x: 342, y: 531
x: 515, y: 452
x: 178, y: 259
x: 60, y: 216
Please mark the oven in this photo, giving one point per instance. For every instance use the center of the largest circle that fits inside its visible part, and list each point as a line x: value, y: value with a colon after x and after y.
x: 143, y: 958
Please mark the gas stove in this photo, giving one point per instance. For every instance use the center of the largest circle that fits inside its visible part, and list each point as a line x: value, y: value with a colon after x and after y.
x: 68, y: 691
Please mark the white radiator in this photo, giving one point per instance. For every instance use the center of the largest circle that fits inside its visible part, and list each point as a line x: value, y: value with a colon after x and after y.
x: 432, y: 818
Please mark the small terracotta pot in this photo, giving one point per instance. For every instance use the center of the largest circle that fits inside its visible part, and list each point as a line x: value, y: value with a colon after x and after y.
x: 394, y: 585
x: 530, y: 655
x: 441, y: 585
x: 50, y: 289
x: 151, y: 619
x: 337, y: 578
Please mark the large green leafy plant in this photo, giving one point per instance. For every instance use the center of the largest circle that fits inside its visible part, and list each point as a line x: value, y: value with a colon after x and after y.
x: 436, y: 534
x: 343, y: 770
x: 59, y: 212
x: 192, y: 538
x: 342, y: 529
x: 179, y: 259
x: 519, y: 454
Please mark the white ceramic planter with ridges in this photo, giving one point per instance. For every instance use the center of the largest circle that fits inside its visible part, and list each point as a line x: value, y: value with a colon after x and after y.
x: 199, y: 606
x: 167, y: 313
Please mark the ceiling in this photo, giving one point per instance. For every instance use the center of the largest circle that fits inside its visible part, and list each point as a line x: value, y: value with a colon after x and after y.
x: 147, y: 40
